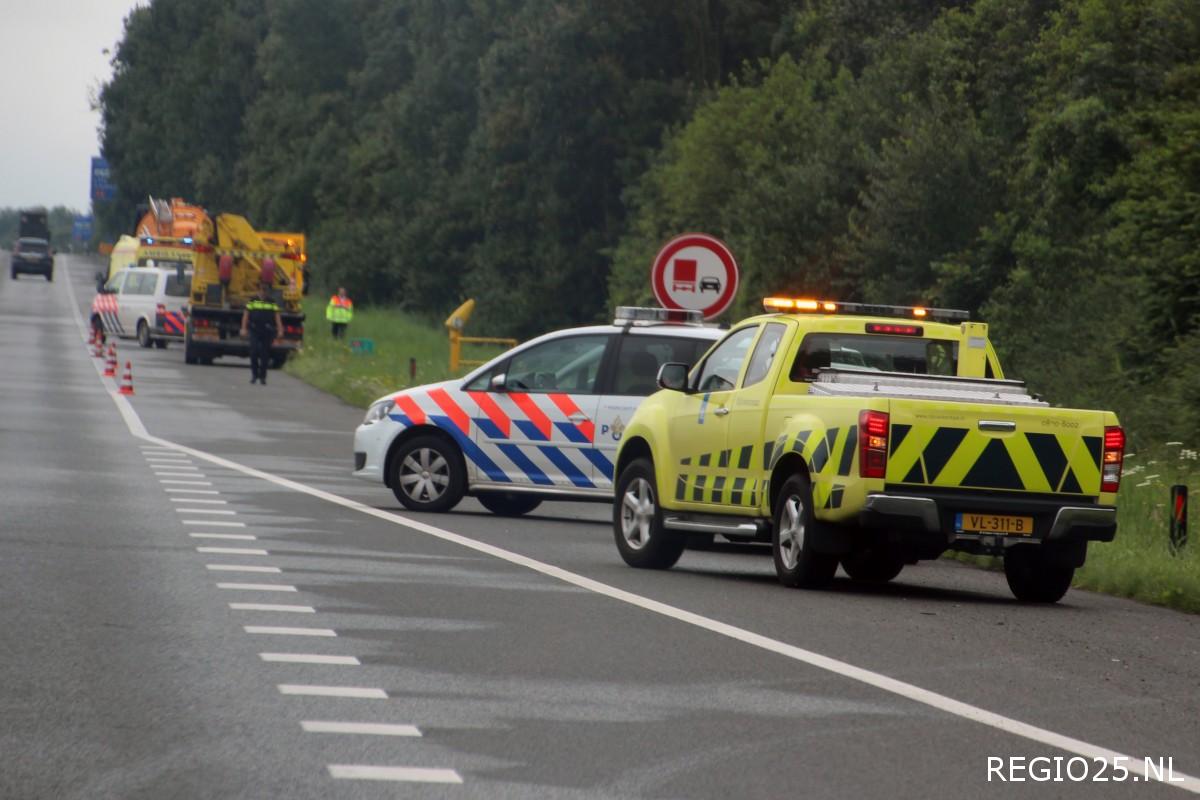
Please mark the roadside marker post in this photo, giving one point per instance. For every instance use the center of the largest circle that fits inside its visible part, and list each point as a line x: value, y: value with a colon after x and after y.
x: 1178, y: 530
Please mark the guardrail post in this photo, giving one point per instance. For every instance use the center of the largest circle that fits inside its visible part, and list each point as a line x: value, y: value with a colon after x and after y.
x: 1179, y: 497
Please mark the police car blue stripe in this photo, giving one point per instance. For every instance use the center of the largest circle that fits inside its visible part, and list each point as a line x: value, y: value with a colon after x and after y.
x: 600, y: 461
x: 571, y: 432
x: 531, y: 470
x: 530, y: 430
x: 490, y: 429
x: 573, y: 473
x: 470, y: 449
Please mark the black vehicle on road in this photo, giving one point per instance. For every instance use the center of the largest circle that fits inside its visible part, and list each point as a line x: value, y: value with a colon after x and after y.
x: 32, y: 256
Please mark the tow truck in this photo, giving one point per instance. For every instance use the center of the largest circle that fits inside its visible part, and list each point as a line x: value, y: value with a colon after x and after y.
x: 871, y: 436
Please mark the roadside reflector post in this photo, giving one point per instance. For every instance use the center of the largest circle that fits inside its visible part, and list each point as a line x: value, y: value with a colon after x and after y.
x: 1179, y: 497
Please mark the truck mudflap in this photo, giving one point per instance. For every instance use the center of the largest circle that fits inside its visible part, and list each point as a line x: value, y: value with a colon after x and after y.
x: 928, y: 523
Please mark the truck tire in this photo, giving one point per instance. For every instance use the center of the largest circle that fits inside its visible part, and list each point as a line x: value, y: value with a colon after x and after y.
x: 641, y: 539
x: 278, y: 360
x: 796, y: 563
x: 143, y: 335
x: 872, y: 567
x: 428, y: 474
x: 508, y: 504
x: 161, y: 344
x: 1033, y: 578
x: 189, y: 349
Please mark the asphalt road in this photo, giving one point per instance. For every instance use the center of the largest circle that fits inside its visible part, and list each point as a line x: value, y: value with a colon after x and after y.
x: 502, y: 658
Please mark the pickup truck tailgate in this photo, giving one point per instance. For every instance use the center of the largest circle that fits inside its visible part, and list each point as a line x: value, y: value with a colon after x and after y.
x: 995, y: 447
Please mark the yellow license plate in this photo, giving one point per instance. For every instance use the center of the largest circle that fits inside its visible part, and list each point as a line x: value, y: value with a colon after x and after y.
x: 994, y: 523
x: 201, y: 333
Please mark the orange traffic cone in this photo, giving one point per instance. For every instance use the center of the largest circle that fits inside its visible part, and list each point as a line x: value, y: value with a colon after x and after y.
x: 110, y: 366
x: 127, y: 380
x: 97, y: 344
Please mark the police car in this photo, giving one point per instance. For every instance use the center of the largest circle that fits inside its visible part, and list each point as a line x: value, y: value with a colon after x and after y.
x: 542, y: 421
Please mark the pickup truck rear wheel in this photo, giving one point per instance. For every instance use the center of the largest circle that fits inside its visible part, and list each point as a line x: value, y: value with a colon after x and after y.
x: 872, y: 567
x: 641, y: 539
x: 796, y: 563
x: 1033, y: 578
x: 428, y: 474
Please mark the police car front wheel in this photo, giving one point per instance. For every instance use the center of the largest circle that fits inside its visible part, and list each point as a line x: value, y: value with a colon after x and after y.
x: 428, y: 474
x: 641, y: 539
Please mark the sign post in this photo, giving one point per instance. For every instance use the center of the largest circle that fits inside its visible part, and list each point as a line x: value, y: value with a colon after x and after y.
x: 695, y: 272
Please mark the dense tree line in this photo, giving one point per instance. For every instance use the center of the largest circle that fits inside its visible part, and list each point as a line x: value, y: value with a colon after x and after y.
x: 1034, y: 161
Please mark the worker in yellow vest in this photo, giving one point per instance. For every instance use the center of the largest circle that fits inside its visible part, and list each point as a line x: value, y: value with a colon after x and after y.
x: 339, y: 312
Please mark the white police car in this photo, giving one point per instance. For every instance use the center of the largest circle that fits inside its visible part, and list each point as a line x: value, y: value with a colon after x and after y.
x: 542, y: 421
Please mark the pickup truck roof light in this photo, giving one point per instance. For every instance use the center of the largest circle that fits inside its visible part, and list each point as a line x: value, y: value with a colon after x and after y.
x: 804, y: 305
x: 630, y: 314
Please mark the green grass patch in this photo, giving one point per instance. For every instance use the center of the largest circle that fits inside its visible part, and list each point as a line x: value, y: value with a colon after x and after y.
x: 358, y: 378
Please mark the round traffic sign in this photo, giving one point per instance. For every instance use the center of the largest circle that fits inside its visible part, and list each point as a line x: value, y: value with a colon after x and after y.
x: 697, y: 272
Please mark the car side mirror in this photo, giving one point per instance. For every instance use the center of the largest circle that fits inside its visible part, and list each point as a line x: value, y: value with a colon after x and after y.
x: 673, y: 376
x: 498, y: 383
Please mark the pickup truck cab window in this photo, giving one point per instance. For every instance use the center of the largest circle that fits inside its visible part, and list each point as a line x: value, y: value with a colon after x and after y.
x: 874, y: 353
x: 720, y: 370
x: 764, y: 353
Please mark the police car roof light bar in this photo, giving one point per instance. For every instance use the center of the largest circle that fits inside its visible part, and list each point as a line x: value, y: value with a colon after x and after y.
x: 627, y: 314
x: 799, y: 305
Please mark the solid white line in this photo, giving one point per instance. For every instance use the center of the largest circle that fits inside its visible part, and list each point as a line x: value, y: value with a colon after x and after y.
x: 272, y: 607
x: 275, y: 630
x: 369, y: 728
x: 239, y: 536
x: 191, y: 491
x: 364, y: 772
x: 310, y: 658
x: 361, y: 692
x: 891, y: 685
x: 198, y: 500
x: 213, y: 523
x: 185, y: 483
x: 258, y: 587
x: 219, y: 511
x: 233, y: 551
x: 240, y: 568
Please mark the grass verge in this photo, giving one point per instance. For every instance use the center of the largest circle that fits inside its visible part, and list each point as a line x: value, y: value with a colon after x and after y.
x: 1138, y: 564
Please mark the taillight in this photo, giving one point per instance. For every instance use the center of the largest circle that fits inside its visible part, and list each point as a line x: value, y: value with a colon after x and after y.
x: 872, y: 443
x: 1114, y: 455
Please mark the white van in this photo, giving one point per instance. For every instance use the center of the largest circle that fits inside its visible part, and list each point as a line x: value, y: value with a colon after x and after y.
x: 148, y: 303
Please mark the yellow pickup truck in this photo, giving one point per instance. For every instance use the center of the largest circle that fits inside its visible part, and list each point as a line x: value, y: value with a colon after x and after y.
x: 874, y: 436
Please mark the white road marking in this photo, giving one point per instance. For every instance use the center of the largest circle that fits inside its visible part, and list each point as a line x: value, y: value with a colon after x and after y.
x: 900, y: 688
x: 369, y: 728
x: 191, y: 491
x: 360, y: 692
x: 219, y: 511
x: 174, y: 458
x: 272, y: 607
x: 258, y: 587
x: 275, y: 630
x: 240, y: 568
x: 310, y: 658
x: 160, y: 474
x: 213, y: 523
x: 364, y: 772
x: 185, y: 483
x: 233, y: 551
x: 198, y: 500
x: 245, y: 537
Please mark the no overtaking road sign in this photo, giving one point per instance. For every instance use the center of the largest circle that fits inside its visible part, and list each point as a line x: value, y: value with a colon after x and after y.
x: 696, y: 272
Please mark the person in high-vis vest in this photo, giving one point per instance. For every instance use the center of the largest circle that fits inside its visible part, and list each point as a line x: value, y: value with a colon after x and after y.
x: 339, y: 312
x: 262, y: 322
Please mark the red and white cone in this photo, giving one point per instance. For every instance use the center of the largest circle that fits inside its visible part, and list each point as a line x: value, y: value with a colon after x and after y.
x: 110, y: 366
x: 127, y: 380
x: 97, y: 344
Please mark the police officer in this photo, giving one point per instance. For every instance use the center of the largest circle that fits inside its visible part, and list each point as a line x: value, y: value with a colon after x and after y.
x: 261, y: 320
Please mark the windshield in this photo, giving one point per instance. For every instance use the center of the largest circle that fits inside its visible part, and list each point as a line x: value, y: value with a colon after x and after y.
x: 874, y: 353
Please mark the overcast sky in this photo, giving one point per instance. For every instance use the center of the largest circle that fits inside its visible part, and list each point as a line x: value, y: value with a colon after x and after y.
x: 50, y: 63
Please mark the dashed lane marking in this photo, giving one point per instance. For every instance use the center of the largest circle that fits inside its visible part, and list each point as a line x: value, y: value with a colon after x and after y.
x: 272, y: 607
x: 364, y: 772
x: 191, y: 491
x: 275, y: 630
x: 240, y: 568
x: 219, y: 511
x: 241, y: 537
x: 233, y: 551
x: 185, y: 483
x: 359, y: 692
x: 311, y: 658
x: 258, y: 587
x: 198, y: 500
x: 159, y: 474
x: 368, y: 728
x: 214, y: 523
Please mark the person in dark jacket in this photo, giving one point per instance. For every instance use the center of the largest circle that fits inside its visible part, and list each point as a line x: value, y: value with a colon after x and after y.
x: 262, y: 323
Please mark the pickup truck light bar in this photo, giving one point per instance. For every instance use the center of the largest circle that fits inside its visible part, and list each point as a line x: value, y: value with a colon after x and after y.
x: 627, y: 314
x: 801, y: 305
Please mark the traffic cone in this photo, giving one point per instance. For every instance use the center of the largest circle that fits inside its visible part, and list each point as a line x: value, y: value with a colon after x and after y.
x: 97, y: 344
x: 127, y: 380
x: 110, y: 366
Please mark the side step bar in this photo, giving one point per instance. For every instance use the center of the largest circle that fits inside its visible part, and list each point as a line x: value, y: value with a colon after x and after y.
x: 724, y: 526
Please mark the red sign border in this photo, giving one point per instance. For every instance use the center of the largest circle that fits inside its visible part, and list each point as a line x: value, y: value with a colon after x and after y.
x: 658, y: 271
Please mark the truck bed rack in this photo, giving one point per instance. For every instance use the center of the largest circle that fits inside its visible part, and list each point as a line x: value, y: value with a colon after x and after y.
x: 840, y: 382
